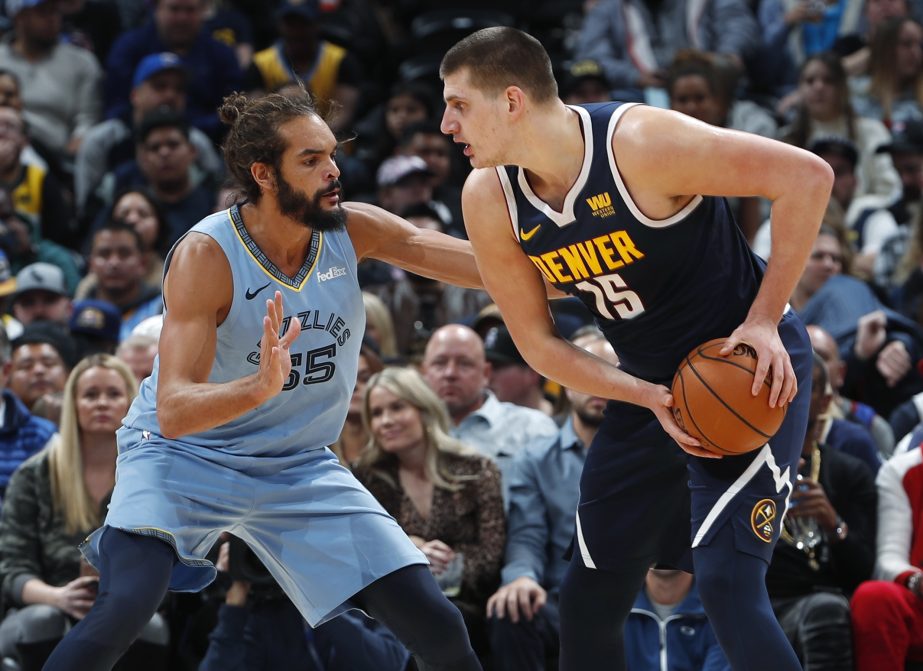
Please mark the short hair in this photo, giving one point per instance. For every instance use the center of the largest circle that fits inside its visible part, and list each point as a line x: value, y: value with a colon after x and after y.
x: 254, y: 133
x: 118, y: 226
x: 499, y: 57
x: 161, y: 117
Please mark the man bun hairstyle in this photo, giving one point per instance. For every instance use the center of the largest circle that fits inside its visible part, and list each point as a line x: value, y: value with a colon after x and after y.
x: 253, y: 136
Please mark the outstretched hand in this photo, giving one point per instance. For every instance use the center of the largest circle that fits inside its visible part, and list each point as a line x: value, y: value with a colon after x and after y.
x: 275, y: 362
x: 773, y: 365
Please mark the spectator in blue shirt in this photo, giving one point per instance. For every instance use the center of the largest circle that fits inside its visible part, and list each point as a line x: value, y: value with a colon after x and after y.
x: 21, y: 433
x: 667, y: 629
x: 544, y: 488
x: 177, y: 26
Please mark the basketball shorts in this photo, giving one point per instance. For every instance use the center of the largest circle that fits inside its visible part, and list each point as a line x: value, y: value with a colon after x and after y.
x: 643, y: 499
x: 320, y: 533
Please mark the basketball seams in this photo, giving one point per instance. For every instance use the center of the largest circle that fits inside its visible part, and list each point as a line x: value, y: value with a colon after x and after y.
x: 705, y: 384
x: 691, y: 417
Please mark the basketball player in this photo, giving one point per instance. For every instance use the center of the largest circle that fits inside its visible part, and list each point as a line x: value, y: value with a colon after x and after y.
x: 258, y: 358
x: 619, y: 205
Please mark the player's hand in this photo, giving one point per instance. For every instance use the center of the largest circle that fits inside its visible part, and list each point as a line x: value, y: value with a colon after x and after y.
x: 521, y: 598
x: 275, y: 362
x: 772, y: 361
x: 893, y: 362
x: 661, y: 404
x: 77, y: 597
x: 439, y: 555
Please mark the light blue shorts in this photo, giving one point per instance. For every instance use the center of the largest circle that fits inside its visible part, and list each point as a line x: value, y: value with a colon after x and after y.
x: 319, y: 532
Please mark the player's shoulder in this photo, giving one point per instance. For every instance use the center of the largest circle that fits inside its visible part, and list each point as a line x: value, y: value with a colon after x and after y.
x: 482, y: 189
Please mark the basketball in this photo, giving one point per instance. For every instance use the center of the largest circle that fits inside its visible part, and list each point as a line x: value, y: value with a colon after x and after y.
x: 712, y: 400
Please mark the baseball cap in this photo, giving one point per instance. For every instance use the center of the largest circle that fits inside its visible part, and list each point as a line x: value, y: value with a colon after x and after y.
x: 7, y: 281
x: 580, y: 71
x: 13, y: 7
x: 306, y: 9
x: 836, y: 144
x: 41, y: 277
x: 398, y: 168
x: 154, y: 64
x: 98, y: 319
x: 500, y: 348
x: 906, y: 137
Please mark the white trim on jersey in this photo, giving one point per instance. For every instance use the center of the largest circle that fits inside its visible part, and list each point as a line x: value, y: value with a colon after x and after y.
x: 511, y: 208
x: 623, y: 190
x: 566, y: 216
x: 584, y: 550
x: 764, y: 457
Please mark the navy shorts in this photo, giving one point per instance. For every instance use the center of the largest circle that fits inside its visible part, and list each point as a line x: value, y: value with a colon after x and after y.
x: 643, y: 499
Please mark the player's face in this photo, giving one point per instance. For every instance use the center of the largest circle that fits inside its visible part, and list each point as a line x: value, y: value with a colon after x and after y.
x: 102, y: 400
x: 396, y: 425
x: 470, y: 118
x: 307, y: 181
x: 455, y: 368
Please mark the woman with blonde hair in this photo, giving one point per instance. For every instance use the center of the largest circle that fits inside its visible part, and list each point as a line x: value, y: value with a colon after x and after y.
x: 354, y: 436
x: 53, y: 501
x: 445, y: 496
x: 379, y: 326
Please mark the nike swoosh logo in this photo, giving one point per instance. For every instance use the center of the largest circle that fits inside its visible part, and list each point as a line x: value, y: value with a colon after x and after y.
x: 525, y: 235
x: 252, y: 294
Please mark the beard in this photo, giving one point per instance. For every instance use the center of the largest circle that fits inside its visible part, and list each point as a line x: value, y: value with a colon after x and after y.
x: 308, y: 211
x: 590, y: 418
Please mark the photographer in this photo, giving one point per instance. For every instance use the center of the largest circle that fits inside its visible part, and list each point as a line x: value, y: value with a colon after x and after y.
x: 260, y: 629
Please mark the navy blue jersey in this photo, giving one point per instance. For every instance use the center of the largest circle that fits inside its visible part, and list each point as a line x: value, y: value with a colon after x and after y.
x: 658, y: 288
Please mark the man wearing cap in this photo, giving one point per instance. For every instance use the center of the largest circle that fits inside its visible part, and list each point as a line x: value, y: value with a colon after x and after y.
x: 60, y: 82
x: 41, y: 295
x: 585, y: 82
x: 95, y: 326
x: 327, y: 70
x: 404, y: 181
x: 178, y: 27
x: 159, y: 81
x: 511, y: 378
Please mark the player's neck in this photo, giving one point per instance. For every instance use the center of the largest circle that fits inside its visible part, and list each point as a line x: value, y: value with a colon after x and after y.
x: 555, y: 159
x: 284, y: 240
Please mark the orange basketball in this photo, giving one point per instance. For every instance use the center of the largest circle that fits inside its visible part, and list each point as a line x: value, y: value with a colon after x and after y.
x: 712, y: 400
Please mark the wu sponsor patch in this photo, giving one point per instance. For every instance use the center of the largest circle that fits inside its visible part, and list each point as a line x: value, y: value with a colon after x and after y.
x: 762, y: 518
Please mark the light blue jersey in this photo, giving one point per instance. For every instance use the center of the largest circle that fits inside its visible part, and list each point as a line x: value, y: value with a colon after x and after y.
x: 267, y: 476
x: 325, y: 297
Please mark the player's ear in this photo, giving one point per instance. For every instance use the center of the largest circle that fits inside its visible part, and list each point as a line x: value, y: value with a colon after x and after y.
x: 515, y: 100
x: 263, y: 175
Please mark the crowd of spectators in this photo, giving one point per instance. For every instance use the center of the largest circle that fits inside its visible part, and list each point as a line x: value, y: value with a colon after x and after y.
x: 110, y: 150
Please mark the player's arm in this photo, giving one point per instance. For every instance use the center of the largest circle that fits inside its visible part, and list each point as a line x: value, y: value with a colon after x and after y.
x: 708, y: 160
x: 379, y: 234
x: 197, y: 293
x: 519, y: 291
